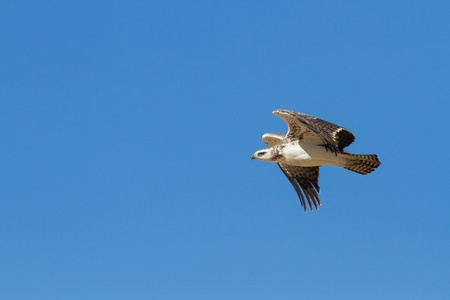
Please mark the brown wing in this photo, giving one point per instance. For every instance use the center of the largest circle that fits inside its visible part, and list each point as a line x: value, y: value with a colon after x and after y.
x: 316, y: 130
x: 304, y: 179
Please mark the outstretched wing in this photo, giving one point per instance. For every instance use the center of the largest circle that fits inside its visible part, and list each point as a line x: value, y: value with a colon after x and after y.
x: 302, y: 178
x: 271, y: 139
x: 315, y: 130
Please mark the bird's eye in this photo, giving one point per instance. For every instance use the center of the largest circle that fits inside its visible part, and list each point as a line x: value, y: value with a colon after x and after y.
x: 261, y: 153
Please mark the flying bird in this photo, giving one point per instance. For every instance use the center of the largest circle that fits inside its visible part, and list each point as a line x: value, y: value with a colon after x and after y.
x: 310, y: 143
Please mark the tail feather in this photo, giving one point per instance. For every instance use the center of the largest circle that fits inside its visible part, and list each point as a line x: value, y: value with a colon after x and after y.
x: 362, y: 164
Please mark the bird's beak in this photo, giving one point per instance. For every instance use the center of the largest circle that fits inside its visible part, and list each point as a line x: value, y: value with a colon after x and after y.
x: 253, y: 156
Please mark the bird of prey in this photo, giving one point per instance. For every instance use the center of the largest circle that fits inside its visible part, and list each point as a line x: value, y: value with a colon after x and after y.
x: 310, y: 143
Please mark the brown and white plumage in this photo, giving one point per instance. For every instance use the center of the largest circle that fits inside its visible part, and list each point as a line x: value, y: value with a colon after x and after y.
x: 302, y: 178
x: 310, y: 143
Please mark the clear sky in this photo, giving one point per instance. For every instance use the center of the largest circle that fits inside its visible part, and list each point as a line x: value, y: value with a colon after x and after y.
x: 126, y: 130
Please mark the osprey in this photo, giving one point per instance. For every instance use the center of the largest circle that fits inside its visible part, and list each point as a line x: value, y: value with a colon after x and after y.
x: 310, y: 143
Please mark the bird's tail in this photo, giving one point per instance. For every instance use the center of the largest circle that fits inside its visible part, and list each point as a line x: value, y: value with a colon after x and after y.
x: 362, y: 164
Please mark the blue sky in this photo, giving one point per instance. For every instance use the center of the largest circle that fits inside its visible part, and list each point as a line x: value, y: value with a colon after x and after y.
x: 127, y: 129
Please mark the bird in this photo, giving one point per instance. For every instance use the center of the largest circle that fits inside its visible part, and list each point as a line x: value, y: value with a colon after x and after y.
x: 309, y: 144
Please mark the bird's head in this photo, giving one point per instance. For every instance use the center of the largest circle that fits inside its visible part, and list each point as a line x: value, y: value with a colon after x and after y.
x: 266, y: 155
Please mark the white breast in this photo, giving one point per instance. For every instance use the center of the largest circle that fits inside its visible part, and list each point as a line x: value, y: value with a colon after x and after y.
x: 306, y: 155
